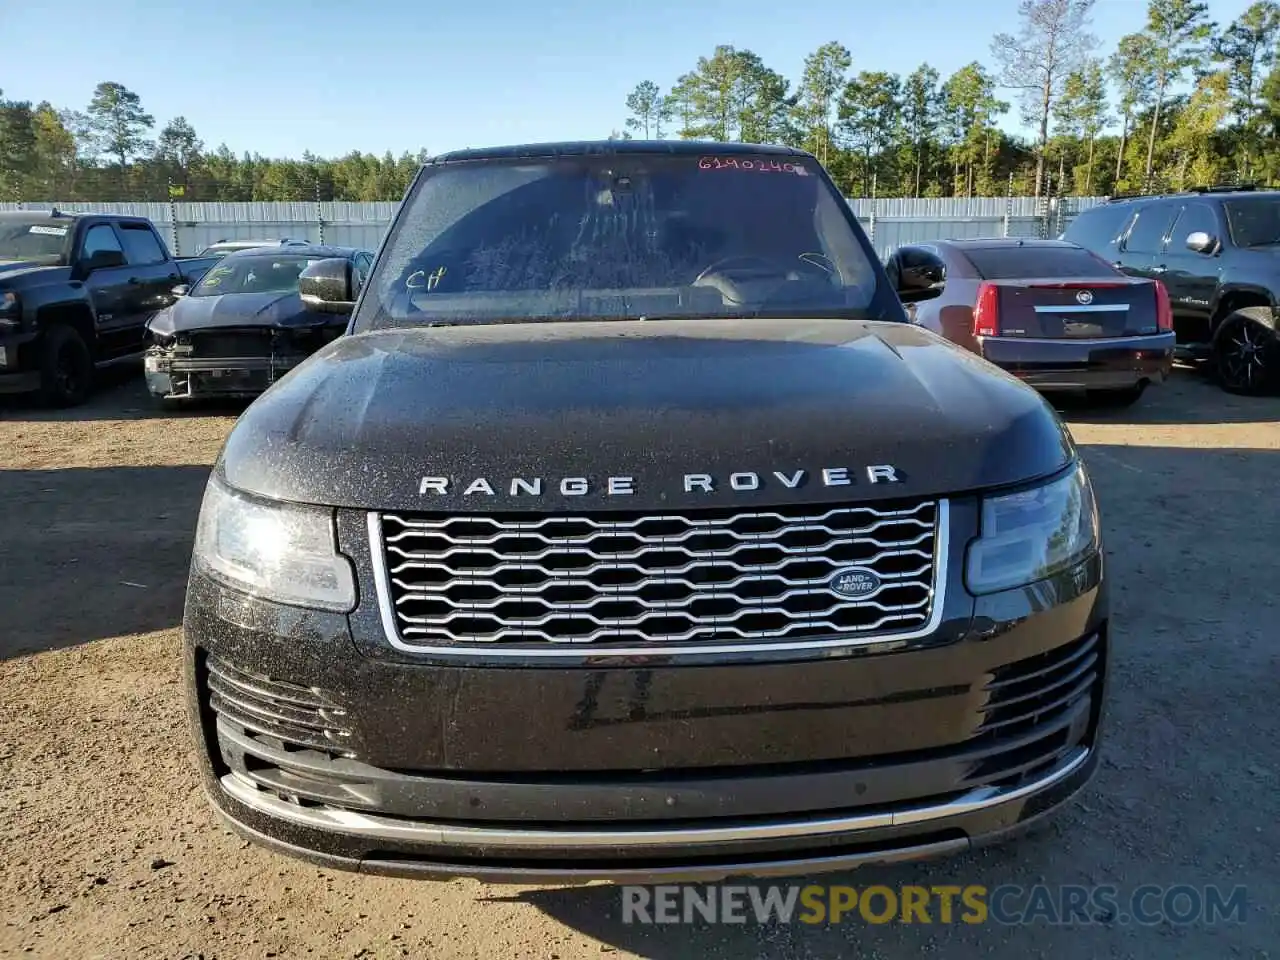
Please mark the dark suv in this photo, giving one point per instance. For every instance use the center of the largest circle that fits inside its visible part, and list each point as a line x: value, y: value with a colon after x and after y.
x: 1218, y: 254
x: 632, y: 531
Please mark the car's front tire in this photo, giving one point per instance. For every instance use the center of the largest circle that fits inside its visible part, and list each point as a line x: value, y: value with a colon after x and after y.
x: 1246, y: 352
x: 66, y: 367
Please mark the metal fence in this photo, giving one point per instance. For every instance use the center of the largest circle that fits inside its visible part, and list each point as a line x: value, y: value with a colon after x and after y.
x: 190, y: 227
x: 894, y: 222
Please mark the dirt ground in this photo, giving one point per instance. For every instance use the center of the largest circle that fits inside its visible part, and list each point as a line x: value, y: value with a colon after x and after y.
x: 108, y: 849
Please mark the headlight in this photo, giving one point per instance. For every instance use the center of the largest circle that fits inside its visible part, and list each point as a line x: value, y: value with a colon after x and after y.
x: 1033, y: 534
x: 277, y: 551
x: 10, y: 313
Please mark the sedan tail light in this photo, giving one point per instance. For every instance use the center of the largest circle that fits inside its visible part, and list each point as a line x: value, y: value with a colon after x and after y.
x: 1164, y: 309
x: 986, y: 311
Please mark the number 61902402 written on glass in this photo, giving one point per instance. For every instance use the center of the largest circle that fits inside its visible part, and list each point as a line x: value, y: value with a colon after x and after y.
x: 758, y: 165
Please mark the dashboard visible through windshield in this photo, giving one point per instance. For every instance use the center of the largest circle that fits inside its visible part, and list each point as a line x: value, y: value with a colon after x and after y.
x: 36, y: 240
x: 257, y: 274
x: 619, y: 236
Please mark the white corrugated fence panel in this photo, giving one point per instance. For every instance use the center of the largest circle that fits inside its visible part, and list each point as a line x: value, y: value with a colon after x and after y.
x: 894, y: 221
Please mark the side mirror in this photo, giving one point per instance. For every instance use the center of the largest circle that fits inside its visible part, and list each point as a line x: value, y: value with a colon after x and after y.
x: 181, y: 290
x: 103, y: 260
x: 921, y: 279
x: 326, y: 286
x: 1201, y: 242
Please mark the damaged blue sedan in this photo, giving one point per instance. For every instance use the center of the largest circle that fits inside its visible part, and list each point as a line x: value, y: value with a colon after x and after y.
x: 243, y: 325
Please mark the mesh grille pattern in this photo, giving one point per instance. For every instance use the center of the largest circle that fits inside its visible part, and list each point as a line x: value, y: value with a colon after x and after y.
x: 696, y: 577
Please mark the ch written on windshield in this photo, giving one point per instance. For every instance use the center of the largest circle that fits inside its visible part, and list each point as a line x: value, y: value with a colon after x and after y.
x: 620, y: 236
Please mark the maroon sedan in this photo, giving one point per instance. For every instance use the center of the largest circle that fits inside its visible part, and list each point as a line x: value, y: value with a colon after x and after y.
x: 1047, y: 311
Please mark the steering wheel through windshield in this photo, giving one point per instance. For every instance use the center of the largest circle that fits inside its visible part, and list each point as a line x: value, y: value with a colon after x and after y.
x: 743, y: 279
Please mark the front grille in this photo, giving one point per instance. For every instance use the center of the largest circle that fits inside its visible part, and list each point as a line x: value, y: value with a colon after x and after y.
x: 222, y: 344
x: 294, y: 716
x: 224, y: 381
x: 604, y: 580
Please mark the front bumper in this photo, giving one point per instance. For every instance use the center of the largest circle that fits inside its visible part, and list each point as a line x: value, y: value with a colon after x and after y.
x: 16, y: 372
x: 319, y: 739
x: 1105, y: 364
x: 777, y: 847
x: 24, y: 382
x: 171, y: 377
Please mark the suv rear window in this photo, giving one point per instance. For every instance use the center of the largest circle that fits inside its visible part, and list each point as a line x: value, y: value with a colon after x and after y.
x: 1254, y: 222
x: 1016, y: 263
x: 140, y: 245
x: 1098, y: 227
x: 618, y: 236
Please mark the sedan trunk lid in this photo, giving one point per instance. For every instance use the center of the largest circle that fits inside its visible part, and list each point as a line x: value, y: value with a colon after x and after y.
x: 1055, y: 309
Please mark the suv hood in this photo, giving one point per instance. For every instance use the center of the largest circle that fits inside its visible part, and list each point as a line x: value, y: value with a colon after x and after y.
x: 238, y: 310
x: 368, y: 417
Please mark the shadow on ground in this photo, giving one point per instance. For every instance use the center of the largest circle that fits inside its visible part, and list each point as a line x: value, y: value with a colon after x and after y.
x: 1187, y: 397
x: 92, y: 553
x: 120, y: 394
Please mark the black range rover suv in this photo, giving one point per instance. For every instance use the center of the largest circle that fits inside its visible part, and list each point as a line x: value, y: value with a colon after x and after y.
x: 632, y: 533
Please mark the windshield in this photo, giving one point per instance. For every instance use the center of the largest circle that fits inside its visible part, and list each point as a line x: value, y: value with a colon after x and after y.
x: 41, y: 240
x: 261, y: 274
x: 1013, y: 263
x: 620, y: 236
x: 1254, y: 222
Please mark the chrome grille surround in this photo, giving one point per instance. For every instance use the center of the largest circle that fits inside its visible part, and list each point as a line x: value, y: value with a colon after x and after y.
x: 713, y: 581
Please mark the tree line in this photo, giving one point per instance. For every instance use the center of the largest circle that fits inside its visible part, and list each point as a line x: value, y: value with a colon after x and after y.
x: 1185, y: 101
x: 112, y: 151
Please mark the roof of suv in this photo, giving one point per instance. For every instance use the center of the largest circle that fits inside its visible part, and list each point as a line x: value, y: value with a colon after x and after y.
x: 579, y: 148
x: 1223, y: 193
x: 245, y: 244
x: 293, y: 249
x: 998, y: 243
x: 71, y: 215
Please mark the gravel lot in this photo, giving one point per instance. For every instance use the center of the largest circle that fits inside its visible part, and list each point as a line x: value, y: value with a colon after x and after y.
x: 109, y: 849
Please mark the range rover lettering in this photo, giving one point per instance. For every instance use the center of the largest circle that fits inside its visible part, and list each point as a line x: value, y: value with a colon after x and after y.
x: 632, y: 532
x: 745, y: 480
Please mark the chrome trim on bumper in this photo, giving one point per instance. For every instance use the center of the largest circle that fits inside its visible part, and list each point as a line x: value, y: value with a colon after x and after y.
x: 372, y: 827
x: 1128, y: 341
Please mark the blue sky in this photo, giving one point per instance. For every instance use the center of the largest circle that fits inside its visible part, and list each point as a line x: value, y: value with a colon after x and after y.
x: 335, y: 75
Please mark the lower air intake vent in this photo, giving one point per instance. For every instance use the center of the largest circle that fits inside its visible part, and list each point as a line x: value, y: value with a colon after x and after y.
x: 298, y: 717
